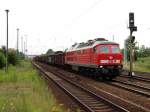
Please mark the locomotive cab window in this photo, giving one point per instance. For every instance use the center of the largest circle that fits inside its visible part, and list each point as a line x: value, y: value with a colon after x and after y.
x: 104, y: 49
x: 115, y: 49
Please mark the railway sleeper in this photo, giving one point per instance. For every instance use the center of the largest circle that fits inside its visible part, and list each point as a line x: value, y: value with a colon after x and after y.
x: 105, y: 110
x: 99, y: 107
x: 88, y: 100
x: 100, y: 104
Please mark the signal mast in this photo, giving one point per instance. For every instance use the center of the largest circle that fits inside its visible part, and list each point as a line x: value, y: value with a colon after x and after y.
x: 132, y: 28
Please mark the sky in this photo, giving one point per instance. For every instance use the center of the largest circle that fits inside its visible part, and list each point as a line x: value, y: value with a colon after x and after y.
x: 57, y: 24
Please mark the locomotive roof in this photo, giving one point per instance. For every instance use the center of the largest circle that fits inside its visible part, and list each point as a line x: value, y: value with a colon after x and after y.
x: 80, y: 46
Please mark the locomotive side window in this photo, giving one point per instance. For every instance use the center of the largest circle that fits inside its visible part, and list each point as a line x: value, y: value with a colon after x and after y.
x: 104, y: 49
x: 115, y: 49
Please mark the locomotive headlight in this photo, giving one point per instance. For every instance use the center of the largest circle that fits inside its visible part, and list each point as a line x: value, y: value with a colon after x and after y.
x: 117, y: 61
x: 119, y: 66
x: 100, y: 66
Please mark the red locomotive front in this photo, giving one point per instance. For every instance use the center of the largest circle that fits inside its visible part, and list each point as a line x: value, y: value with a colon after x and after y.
x: 99, y: 55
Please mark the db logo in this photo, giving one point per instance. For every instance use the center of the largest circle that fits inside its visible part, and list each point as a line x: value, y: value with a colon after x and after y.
x: 110, y: 57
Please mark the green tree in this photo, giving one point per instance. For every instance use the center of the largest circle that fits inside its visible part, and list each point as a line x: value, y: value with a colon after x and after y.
x: 21, y: 56
x: 135, y: 49
x: 144, y: 51
x: 3, y: 49
x: 2, y: 60
x: 12, y: 57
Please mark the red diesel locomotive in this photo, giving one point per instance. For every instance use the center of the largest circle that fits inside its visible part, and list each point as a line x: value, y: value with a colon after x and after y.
x: 99, y: 56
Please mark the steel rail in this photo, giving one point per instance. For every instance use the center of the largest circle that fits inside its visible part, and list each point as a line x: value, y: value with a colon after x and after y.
x: 123, y: 86
x: 136, y: 77
x: 83, y: 104
x: 134, y: 85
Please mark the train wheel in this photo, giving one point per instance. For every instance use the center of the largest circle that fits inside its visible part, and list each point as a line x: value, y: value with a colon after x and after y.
x: 109, y: 78
x: 104, y: 77
x: 96, y: 77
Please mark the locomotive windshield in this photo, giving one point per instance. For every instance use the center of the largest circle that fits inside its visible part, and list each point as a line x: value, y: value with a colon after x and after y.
x: 115, y: 49
x: 104, y: 49
x: 108, y: 49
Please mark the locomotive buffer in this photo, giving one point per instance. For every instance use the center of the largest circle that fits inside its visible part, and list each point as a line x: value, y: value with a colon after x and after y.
x: 132, y: 28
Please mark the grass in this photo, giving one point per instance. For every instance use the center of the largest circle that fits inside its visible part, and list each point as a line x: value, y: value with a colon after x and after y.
x: 142, y: 65
x: 22, y: 90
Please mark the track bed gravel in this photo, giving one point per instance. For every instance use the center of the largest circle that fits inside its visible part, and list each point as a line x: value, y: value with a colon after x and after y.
x: 98, y: 85
x: 62, y: 98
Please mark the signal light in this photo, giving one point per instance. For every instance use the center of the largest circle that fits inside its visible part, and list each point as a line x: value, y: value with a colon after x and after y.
x: 131, y: 19
x: 131, y: 22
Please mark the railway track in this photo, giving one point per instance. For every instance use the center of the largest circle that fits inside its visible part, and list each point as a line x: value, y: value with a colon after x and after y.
x: 127, y: 104
x: 89, y: 101
x: 145, y: 91
x: 137, y: 77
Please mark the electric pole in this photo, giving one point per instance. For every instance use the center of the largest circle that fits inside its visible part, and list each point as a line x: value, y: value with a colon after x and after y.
x: 7, y: 42
x: 113, y: 38
x: 22, y: 44
x: 125, y: 52
x: 17, y: 41
x: 24, y: 48
x: 132, y: 38
x: 26, y: 45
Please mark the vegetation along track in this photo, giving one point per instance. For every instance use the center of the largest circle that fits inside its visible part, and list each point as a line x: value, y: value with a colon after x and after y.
x: 88, y: 100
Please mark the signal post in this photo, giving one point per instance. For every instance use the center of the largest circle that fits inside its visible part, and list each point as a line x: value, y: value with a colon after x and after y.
x: 132, y: 28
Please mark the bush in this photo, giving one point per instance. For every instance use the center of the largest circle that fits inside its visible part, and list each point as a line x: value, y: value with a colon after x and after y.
x: 2, y: 60
x: 21, y: 56
x: 12, y: 57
